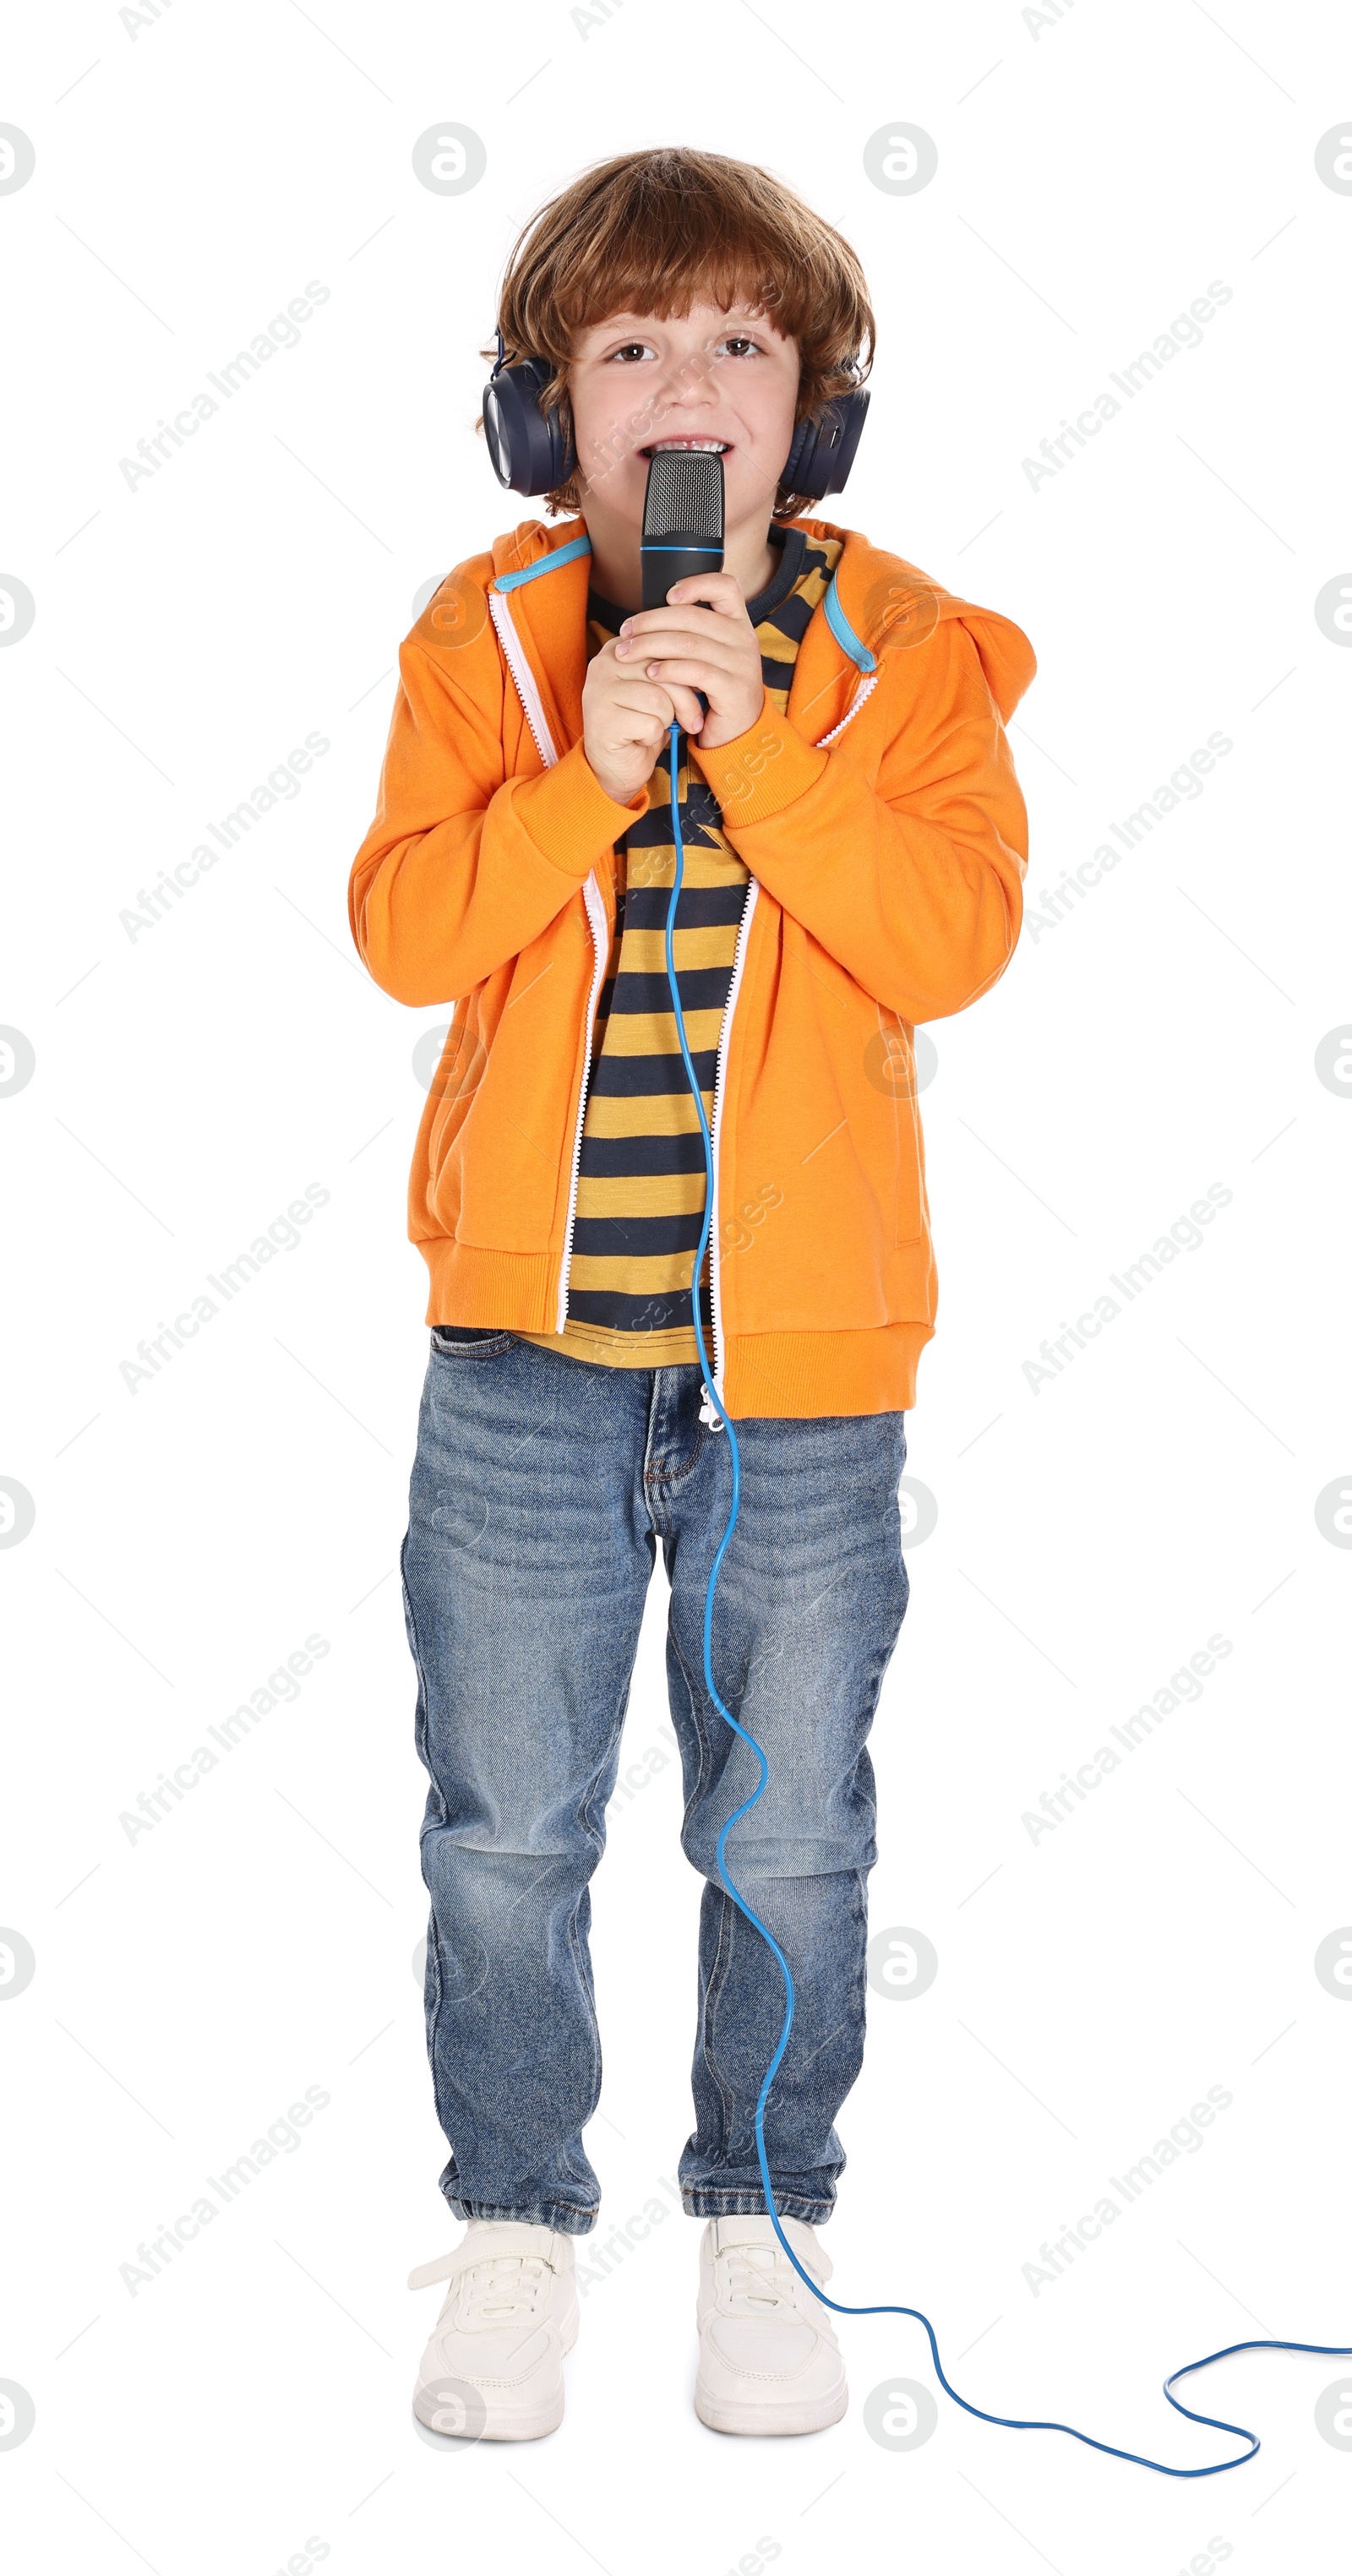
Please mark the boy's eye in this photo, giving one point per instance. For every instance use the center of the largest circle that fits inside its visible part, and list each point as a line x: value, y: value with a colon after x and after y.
x: 737, y: 344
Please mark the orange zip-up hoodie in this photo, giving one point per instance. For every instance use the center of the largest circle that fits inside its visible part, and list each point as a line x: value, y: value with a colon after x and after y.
x: 886, y: 840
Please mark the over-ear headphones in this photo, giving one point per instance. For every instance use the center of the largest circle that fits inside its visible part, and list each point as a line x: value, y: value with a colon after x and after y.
x: 532, y: 451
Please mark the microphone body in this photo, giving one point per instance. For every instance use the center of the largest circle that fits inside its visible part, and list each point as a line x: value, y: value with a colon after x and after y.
x: 682, y: 520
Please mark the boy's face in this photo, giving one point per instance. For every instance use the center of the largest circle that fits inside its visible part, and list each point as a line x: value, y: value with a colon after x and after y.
x: 712, y: 379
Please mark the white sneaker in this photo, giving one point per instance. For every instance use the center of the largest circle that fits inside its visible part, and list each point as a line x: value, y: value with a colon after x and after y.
x: 769, y: 2361
x: 494, y: 2367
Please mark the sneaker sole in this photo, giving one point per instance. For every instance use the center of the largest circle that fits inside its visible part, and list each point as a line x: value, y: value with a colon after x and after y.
x: 521, y: 2428
x: 771, y: 2420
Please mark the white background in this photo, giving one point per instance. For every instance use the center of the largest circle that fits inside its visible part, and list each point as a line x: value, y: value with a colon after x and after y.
x: 1095, y: 173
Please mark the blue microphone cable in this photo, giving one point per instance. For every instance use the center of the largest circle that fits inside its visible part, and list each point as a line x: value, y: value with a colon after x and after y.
x: 1014, y: 2423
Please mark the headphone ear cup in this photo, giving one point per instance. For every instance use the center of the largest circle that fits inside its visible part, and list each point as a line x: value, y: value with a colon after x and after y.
x: 804, y: 437
x: 529, y: 448
x: 823, y: 449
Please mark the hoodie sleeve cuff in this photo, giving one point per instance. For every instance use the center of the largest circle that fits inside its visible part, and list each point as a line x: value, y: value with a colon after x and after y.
x: 762, y: 770
x: 569, y: 816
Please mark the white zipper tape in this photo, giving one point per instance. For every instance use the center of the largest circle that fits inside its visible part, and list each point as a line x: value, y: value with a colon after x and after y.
x: 720, y: 1070
x: 531, y: 702
x: 596, y: 915
x: 533, y: 709
x: 869, y: 685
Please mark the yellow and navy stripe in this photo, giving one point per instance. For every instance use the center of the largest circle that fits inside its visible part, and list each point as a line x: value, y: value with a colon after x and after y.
x: 641, y: 1179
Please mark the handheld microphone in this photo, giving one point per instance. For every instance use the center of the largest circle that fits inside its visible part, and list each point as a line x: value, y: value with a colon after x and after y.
x: 682, y: 519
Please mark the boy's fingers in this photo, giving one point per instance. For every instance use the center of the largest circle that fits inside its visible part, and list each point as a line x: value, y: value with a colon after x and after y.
x: 661, y: 708
x: 671, y: 643
x: 654, y: 704
x: 719, y: 588
x: 684, y: 617
x: 690, y: 675
x: 658, y: 698
x: 645, y: 698
x: 697, y: 670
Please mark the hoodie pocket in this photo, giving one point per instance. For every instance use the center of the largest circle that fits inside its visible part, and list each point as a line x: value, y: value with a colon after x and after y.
x: 890, y: 1063
x: 825, y: 1135
x: 499, y: 1152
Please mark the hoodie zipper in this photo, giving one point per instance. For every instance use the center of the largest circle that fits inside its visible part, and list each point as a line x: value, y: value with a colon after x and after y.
x: 707, y: 1413
x: 852, y: 710
x: 596, y: 915
x: 720, y: 1070
x: 532, y: 705
x: 533, y: 710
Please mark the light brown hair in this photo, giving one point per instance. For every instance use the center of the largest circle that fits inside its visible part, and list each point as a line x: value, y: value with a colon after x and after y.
x: 659, y: 231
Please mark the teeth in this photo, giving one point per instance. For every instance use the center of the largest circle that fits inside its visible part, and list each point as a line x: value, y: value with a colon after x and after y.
x: 704, y: 446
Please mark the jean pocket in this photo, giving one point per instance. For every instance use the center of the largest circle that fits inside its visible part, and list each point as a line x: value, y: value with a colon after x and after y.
x: 468, y: 1341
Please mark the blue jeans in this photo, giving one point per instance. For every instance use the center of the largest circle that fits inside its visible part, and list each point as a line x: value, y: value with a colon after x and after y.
x: 540, y: 1488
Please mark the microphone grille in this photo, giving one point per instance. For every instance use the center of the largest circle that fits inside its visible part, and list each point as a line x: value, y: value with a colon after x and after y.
x: 684, y: 496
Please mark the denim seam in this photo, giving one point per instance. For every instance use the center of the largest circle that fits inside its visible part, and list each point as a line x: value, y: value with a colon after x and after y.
x: 858, y: 1997
x: 654, y: 1501
x: 703, y: 1741
x: 670, y: 1477
x: 588, y: 1822
x: 575, y: 1954
x: 469, y: 1350
x: 549, y: 2213
x: 433, y: 2019
x: 677, y: 1475
x: 718, y: 1978
x: 420, y: 1727
x: 706, y: 2200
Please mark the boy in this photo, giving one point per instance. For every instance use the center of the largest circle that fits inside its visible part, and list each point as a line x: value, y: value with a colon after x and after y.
x: 855, y: 847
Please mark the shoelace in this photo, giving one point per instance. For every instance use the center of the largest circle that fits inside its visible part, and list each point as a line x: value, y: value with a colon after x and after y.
x: 487, y: 2294
x: 760, y: 2279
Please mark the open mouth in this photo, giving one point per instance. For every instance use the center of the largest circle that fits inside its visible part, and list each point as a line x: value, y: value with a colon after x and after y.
x: 688, y: 446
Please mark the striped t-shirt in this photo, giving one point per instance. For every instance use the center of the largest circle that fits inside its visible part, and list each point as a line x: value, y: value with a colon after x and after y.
x: 641, y: 1180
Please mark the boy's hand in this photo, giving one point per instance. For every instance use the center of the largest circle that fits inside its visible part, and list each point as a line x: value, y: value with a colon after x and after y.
x: 687, y: 646
x: 624, y: 723
x: 644, y: 680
